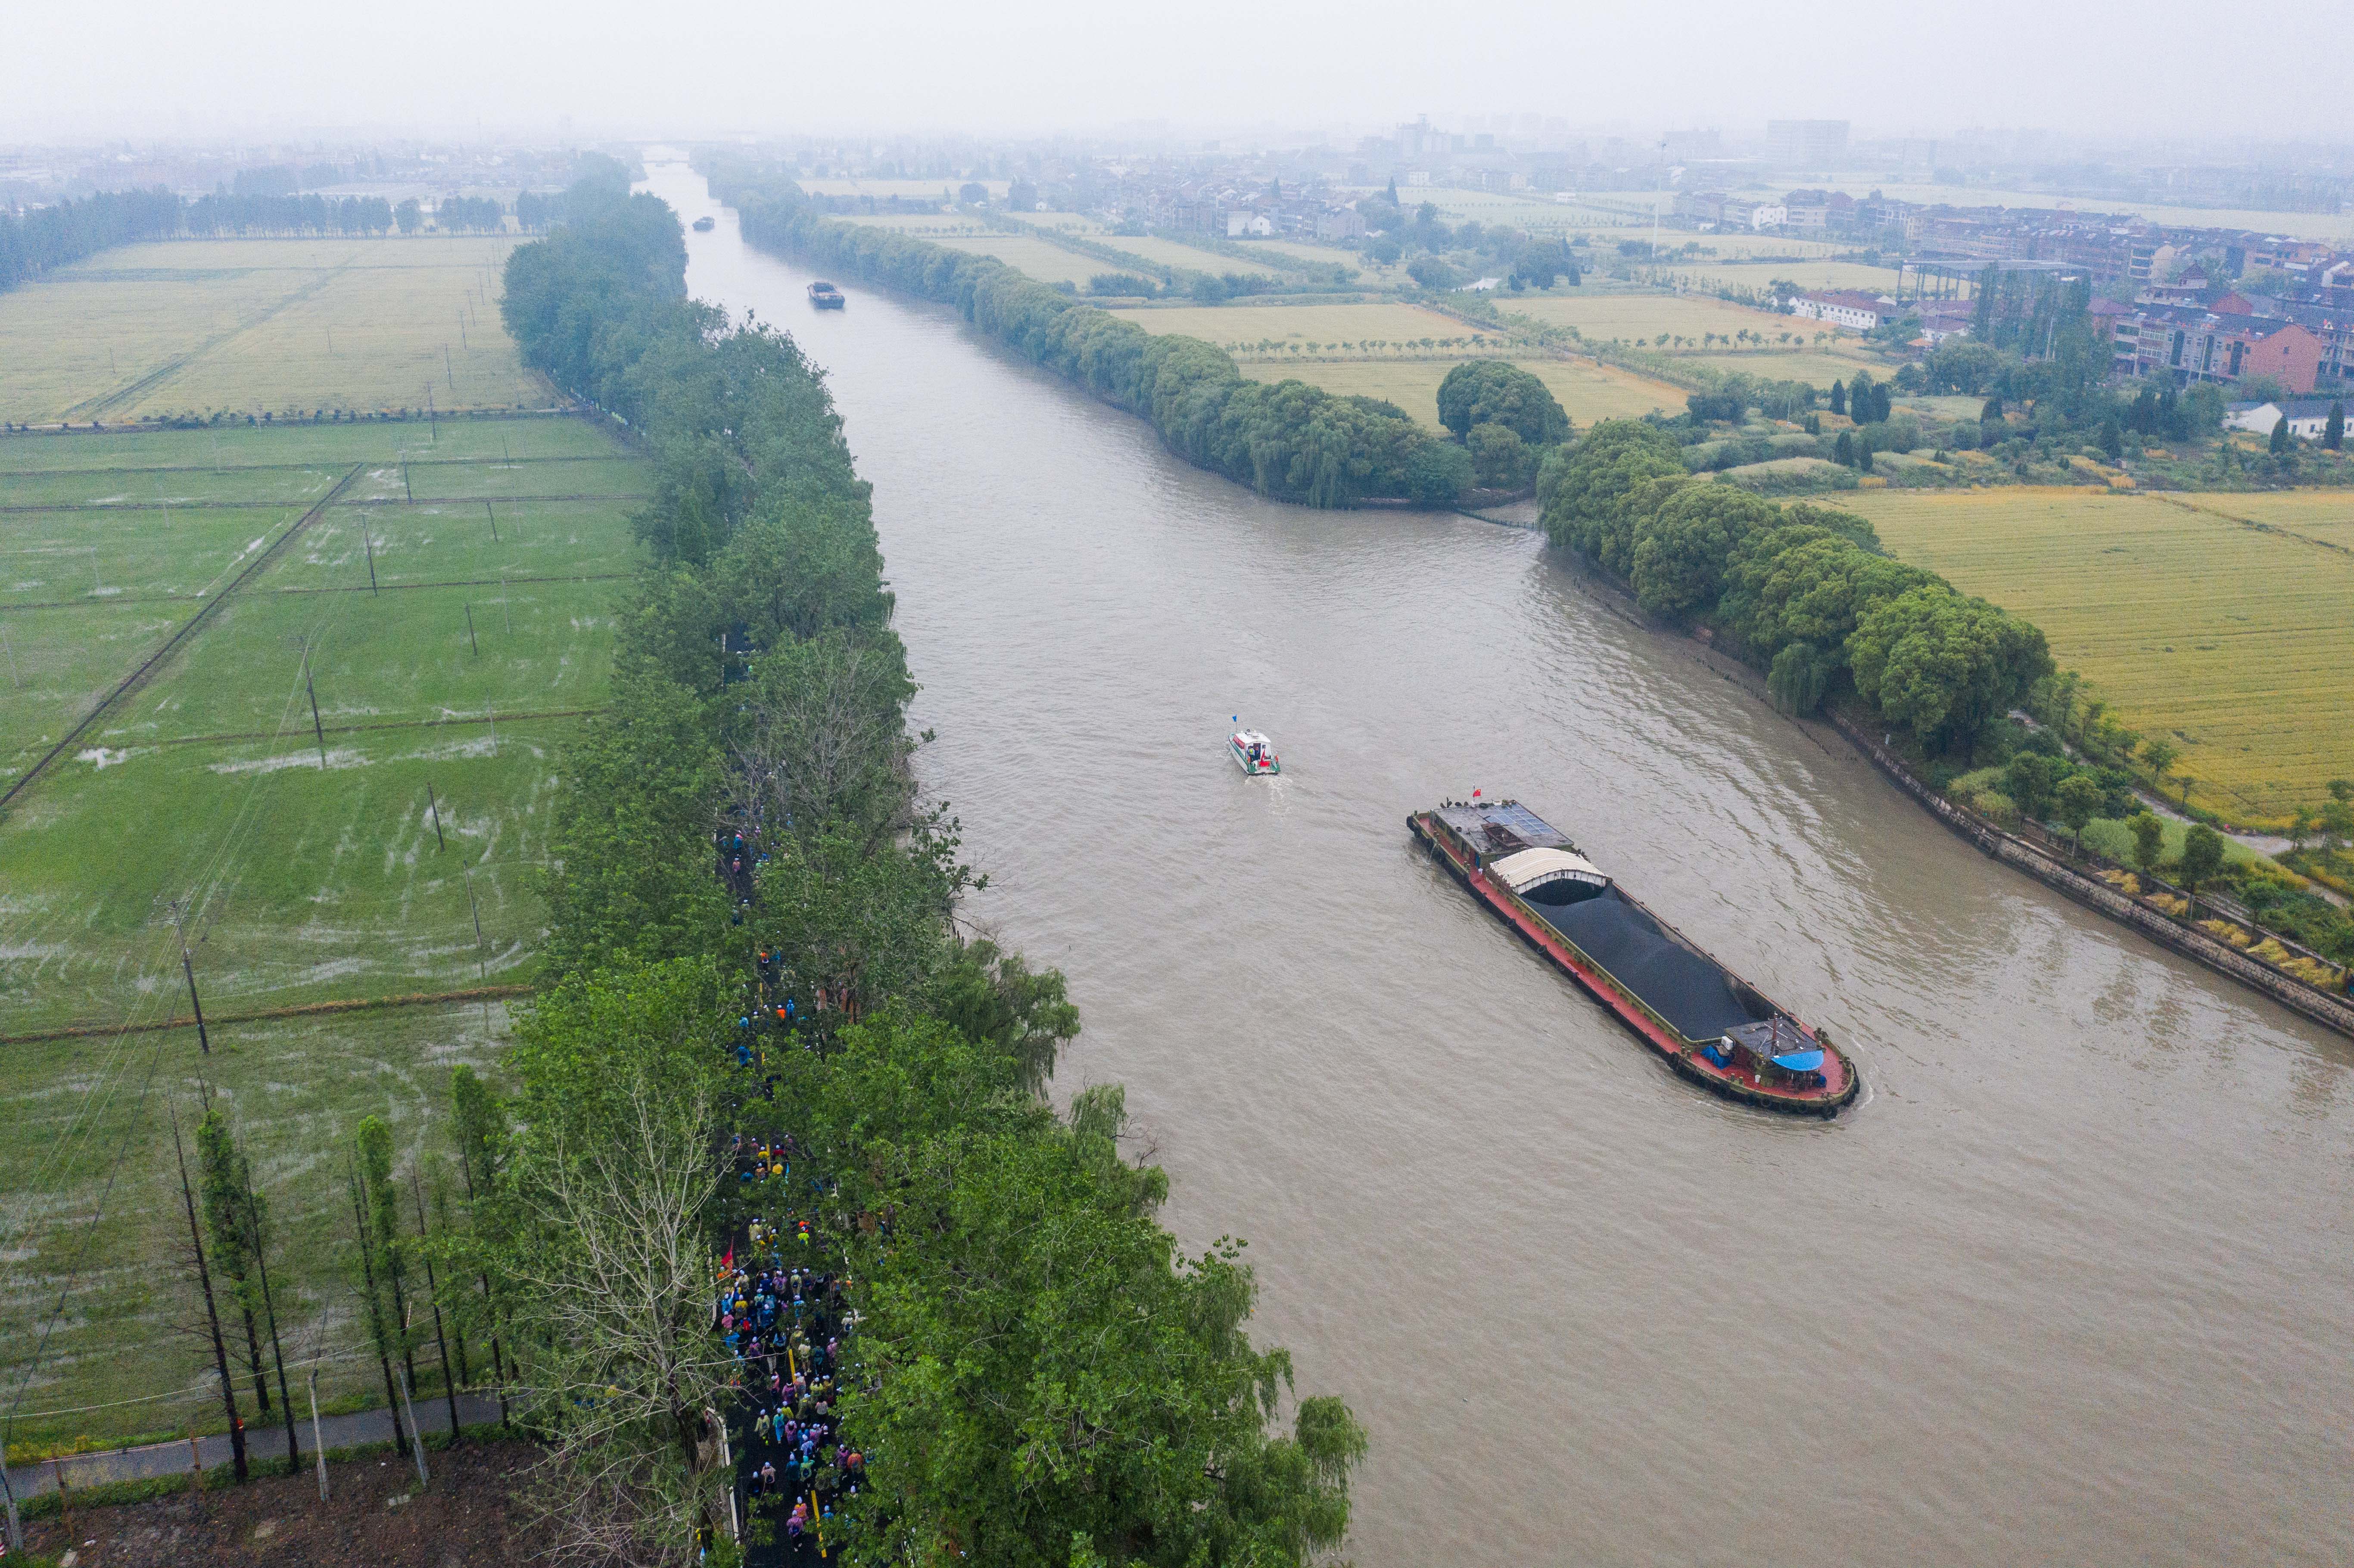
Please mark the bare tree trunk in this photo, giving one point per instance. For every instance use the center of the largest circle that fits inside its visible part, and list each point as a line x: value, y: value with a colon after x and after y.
x: 433, y: 1291
x: 270, y: 1311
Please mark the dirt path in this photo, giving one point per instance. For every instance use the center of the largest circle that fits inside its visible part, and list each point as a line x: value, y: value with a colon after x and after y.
x: 376, y: 1513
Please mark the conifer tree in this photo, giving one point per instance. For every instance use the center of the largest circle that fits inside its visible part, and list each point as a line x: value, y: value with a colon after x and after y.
x: 2333, y: 434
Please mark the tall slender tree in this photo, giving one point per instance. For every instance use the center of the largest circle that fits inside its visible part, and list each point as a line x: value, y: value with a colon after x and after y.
x: 383, y: 1196
x: 240, y: 1221
x: 433, y: 1295
x: 221, y: 1176
x: 380, y: 1330
x: 212, y: 1310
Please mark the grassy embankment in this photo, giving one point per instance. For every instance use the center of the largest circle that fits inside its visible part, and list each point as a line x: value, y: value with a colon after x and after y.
x: 304, y: 885
x: 2227, y: 640
x: 262, y: 325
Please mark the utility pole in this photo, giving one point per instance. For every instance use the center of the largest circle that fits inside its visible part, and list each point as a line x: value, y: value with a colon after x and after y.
x: 318, y: 1444
x: 470, y: 633
x: 435, y: 807
x: 494, y: 521
x: 417, y: 1448
x: 369, y: 545
x: 318, y: 730
x: 189, y: 970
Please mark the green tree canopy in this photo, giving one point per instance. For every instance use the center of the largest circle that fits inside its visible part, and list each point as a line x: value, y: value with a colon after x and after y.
x: 1944, y: 664
x: 1491, y: 391
x: 1609, y: 461
x: 1681, y: 550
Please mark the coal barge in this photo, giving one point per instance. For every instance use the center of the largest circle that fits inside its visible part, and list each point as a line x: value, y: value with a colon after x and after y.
x: 1709, y: 1024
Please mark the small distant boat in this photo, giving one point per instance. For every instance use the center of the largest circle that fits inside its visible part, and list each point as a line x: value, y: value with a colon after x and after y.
x: 825, y: 296
x: 704, y: 225
x: 1253, y: 752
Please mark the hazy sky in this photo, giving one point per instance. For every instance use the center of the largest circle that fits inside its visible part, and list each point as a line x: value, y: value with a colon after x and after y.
x: 146, y: 68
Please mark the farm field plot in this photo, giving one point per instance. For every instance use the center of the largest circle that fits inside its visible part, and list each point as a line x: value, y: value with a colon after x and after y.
x: 438, y: 480
x: 1760, y: 275
x: 59, y: 662
x: 253, y: 325
x: 92, y: 554
x: 1300, y: 250
x: 1818, y: 368
x: 129, y: 488
x: 452, y: 542
x: 263, y: 448
x: 94, y: 1199
x: 1034, y: 258
x: 822, y: 185
x: 923, y: 223
x: 1586, y: 390
x: 2327, y: 516
x: 1783, y: 250
x: 2191, y: 626
x: 1331, y: 325
x: 1158, y: 253
x: 1601, y: 316
x: 376, y: 658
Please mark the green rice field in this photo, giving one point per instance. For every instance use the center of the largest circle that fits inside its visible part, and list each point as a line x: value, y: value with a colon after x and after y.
x: 2226, y: 639
x: 387, y: 848
x: 205, y: 326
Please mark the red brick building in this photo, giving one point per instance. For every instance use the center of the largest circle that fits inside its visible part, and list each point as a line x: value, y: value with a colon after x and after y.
x: 2193, y: 345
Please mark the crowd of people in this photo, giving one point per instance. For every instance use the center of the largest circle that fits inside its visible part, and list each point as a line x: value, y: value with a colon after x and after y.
x: 782, y: 1319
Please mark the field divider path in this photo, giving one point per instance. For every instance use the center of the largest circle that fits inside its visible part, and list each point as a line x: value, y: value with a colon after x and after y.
x: 187, y: 629
x: 443, y: 721
x: 92, y: 602
x: 478, y: 499
x: 265, y: 1015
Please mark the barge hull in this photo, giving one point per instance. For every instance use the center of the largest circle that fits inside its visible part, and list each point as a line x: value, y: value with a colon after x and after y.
x: 1843, y: 1082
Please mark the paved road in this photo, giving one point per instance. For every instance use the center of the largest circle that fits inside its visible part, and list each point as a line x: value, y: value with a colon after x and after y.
x: 261, y: 1443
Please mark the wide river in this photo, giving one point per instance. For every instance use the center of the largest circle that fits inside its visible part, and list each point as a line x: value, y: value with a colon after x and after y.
x: 2073, y: 1284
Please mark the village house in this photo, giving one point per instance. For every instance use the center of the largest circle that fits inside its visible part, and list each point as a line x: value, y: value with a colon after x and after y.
x: 1850, y: 308
x: 2309, y: 417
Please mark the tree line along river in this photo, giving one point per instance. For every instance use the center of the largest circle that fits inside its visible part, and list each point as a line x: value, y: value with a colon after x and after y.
x: 2067, y: 1286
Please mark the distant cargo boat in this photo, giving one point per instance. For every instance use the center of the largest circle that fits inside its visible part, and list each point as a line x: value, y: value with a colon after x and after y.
x: 705, y: 224
x: 1711, y: 1025
x: 825, y: 296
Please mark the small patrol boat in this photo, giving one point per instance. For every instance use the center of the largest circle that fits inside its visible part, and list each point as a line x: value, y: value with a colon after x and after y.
x: 1253, y: 752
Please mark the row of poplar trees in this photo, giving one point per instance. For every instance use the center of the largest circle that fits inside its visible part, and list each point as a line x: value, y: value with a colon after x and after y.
x: 406, y: 1265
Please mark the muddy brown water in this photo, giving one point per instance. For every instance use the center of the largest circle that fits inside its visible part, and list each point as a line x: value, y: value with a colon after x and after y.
x: 2071, y: 1285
